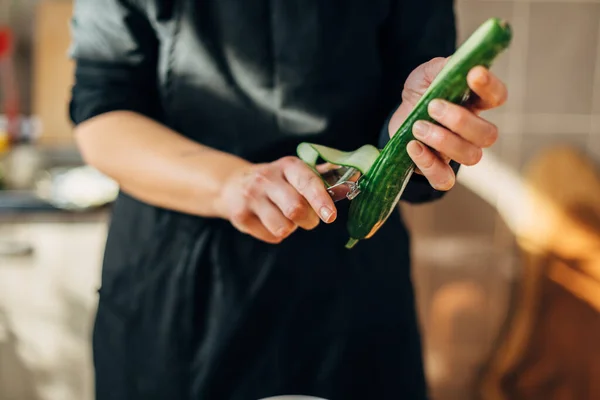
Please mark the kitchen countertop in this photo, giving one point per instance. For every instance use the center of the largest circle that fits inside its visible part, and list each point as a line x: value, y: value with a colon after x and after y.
x: 16, y: 201
x: 18, y: 205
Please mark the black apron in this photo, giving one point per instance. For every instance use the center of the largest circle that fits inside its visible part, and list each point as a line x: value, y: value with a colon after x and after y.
x: 189, y: 307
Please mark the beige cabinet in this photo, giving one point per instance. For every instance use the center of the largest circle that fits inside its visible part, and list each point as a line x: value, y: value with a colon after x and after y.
x: 47, y: 304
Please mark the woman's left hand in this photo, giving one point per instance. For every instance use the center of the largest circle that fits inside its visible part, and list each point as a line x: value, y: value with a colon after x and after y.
x: 463, y: 133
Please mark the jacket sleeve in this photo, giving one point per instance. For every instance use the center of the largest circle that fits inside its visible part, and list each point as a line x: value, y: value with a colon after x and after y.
x: 115, y: 52
x: 415, y: 32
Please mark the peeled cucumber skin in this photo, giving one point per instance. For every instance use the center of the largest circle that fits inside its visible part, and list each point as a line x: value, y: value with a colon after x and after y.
x: 381, y: 188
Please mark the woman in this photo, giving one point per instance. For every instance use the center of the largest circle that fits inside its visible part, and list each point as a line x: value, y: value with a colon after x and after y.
x: 209, y: 289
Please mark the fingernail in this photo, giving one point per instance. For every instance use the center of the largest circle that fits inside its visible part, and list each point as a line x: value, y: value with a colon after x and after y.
x: 436, y: 108
x: 417, y: 148
x: 325, y: 213
x: 420, y: 129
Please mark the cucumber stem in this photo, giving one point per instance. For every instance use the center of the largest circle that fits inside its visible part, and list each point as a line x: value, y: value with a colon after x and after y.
x: 351, y: 243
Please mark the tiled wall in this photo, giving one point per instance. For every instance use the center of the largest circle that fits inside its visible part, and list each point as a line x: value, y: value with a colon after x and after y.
x: 552, y: 70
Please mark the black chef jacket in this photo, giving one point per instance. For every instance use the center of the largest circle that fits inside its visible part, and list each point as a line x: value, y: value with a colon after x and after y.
x: 189, y: 308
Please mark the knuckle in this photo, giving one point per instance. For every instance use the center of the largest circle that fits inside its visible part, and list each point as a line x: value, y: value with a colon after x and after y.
x: 295, y: 211
x: 315, y: 180
x: 319, y: 198
x: 428, y: 67
x: 250, y: 187
x: 288, y: 161
x: 261, y: 176
x: 427, y: 162
x: 459, y: 117
x: 307, y: 182
x: 432, y: 67
x: 241, y: 216
x: 256, y: 181
x: 437, y: 137
x: 247, y: 191
x: 250, y: 190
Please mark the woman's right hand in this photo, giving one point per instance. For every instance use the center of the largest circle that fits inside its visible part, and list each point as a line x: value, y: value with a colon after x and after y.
x: 270, y: 201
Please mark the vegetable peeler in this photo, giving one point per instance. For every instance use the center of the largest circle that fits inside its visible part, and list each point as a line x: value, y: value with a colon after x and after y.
x: 342, y: 169
x: 342, y: 183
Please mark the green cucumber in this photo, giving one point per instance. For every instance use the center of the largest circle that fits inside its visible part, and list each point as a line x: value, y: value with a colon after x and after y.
x: 381, y: 187
x: 385, y: 174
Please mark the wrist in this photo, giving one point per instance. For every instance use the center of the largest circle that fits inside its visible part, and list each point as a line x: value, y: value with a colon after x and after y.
x: 230, y: 177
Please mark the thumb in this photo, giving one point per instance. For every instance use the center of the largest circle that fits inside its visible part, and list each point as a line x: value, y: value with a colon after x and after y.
x: 421, y: 78
x: 416, y: 85
x: 433, y: 67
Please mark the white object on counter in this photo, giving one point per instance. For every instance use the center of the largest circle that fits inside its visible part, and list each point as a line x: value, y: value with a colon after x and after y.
x: 77, y: 188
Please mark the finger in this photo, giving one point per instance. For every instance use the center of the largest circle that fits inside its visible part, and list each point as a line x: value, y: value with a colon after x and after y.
x: 491, y: 92
x: 311, y: 187
x: 419, y: 81
x: 248, y: 223
x: 433, y: 67
x: 441, y: 156
x: 448, y: 144
x: 292, y: 205
x: 325, y: 167
x: 463, y: 122
x: 439, y: 174
x: 272, y: 218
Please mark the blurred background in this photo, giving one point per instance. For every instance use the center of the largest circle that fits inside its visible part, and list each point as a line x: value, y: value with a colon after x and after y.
x: 507, y: 266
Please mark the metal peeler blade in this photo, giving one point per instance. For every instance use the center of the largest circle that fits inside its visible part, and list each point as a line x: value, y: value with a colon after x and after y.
x: 343, y: 183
